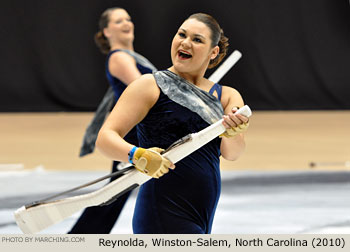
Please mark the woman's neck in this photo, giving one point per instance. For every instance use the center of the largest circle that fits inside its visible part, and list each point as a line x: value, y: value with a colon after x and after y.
x: 196, y: 79
x: 126, y: 46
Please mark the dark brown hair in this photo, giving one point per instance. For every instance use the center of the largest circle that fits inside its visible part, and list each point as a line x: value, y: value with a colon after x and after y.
x: 100, y: 39
x: 217, y: 36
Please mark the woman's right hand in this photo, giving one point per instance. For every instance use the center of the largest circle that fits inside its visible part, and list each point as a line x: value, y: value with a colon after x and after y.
x: 150, y: 162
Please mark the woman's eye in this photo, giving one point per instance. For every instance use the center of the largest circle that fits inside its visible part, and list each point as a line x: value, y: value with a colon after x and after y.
x: 197, y: 40
x: 182, y: 35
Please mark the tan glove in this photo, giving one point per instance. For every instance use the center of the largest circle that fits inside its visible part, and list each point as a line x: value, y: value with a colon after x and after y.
x: 150, y: 162
x: 234, y: 131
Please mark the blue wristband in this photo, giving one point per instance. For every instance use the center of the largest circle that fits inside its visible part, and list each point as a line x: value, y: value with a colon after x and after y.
x: 131, y: 154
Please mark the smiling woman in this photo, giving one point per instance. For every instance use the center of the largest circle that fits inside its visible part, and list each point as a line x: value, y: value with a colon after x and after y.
x: 114, y: 38
x: 168, y: 105
x: 217, y: 37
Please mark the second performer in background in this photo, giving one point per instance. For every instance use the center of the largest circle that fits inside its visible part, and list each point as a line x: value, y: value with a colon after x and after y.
x: 123, y: 65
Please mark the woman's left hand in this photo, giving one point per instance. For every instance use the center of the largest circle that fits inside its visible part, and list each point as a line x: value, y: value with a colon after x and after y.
x: 234, y: 123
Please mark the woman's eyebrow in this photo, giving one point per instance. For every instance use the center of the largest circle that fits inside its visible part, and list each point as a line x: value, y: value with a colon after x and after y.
x: 199, y: 35
x: 196, y: 34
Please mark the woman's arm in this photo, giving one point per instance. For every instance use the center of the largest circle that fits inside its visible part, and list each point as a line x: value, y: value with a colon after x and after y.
x: 132, y: 106
x: 123, y: 66
x: 232, y: 147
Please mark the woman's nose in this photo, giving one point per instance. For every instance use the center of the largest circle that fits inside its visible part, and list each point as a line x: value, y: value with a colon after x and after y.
x: 186, y: 42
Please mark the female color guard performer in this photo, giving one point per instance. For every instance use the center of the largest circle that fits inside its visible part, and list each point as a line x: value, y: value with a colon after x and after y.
x: 114, y: 38
x: 166, y: 106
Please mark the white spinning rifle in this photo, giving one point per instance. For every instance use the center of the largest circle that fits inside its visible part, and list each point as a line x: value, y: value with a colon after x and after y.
x: 37, y: 216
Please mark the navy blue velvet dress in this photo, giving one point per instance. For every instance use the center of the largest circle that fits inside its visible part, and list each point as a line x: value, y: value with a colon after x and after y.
x: 185, y: 199
x: 119, y: 87
x: 101, y: 219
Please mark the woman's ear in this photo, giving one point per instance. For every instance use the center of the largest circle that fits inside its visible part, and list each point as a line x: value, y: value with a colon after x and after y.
x: 214, y: 53
x: 106, y: 32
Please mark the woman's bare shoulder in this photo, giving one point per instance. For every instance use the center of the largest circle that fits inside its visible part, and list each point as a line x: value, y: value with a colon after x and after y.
x: 145, y: 79
x: 231, y: 97
x: 120, y: 57
x: 144, y: 88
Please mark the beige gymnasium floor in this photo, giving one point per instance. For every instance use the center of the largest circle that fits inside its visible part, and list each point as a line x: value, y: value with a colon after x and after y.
x: 276, y: 140
x: 269, y: 190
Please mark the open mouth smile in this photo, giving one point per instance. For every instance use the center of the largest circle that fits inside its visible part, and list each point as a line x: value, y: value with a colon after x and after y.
x: 184, y: 55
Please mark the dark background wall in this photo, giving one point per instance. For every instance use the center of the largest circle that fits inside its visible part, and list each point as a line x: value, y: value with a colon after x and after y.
x: 296, y: 53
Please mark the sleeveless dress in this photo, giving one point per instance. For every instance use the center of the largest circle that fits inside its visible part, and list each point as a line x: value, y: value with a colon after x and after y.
x: 101, y: 219
x: 144, y: 66
x: 112, y: 95
x: 185, y: 199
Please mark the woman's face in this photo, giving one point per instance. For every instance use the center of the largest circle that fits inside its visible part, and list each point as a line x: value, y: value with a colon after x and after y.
x: 120, y: 28
x: 191, y: 48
